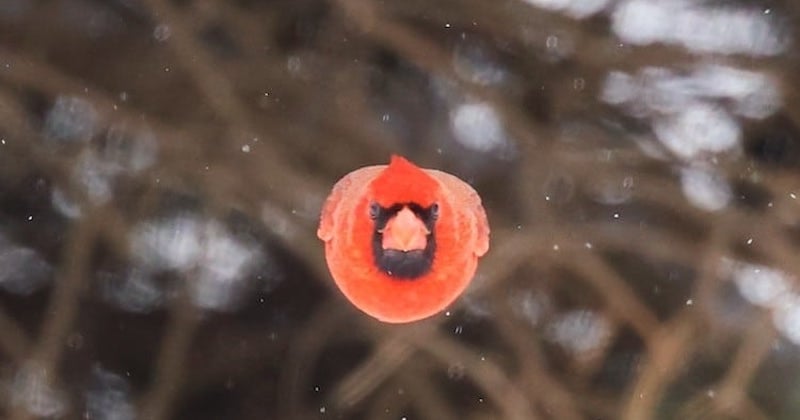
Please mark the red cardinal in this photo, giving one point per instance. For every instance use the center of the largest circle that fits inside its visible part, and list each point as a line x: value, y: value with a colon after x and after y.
x: 402, y: 242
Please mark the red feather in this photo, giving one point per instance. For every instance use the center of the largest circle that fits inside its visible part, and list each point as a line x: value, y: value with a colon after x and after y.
x: 404, y: 182
x: 461, y: 235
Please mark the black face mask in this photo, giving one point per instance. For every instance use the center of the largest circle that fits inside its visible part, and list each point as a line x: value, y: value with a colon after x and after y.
x: 403, y: 265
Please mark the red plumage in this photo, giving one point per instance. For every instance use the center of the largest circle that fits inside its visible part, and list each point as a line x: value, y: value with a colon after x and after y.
x: 353, y: 236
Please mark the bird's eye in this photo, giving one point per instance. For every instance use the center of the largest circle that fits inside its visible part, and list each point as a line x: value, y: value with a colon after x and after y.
x: 435, y: 211
x: 374, y: 210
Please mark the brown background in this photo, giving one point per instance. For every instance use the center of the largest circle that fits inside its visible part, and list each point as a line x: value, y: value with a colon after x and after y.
x: 315, y: 89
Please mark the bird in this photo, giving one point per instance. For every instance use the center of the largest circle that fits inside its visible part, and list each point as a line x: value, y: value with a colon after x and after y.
x: 402, y: 243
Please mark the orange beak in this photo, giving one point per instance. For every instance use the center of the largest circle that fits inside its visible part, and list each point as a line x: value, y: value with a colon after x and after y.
x: 405, y: 232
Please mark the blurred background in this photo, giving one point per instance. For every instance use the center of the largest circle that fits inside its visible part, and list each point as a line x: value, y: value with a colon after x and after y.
x: 163, y: 163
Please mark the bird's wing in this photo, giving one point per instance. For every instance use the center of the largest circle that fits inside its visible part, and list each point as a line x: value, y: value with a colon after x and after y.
x: 344, y: 194
x: 468, y: 198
